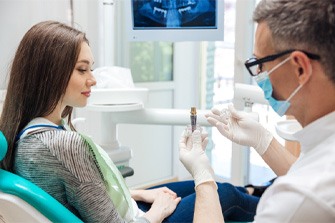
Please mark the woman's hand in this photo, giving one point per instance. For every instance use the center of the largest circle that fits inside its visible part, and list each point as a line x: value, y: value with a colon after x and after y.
x: 164, y: 202
x: 150, y: 195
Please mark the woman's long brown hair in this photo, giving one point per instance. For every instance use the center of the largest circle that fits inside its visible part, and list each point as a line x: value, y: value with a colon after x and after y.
x: 39, y: 75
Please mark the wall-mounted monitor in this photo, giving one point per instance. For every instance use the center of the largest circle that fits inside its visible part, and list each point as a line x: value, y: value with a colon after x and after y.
x: 174, y: 20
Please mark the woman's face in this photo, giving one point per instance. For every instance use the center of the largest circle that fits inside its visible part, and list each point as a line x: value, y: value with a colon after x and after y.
x: 81, y: 81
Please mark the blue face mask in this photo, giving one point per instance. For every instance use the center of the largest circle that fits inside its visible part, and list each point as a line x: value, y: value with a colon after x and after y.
x: 263, y: 81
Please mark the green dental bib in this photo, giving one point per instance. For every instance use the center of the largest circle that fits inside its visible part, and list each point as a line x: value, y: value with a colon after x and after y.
x: 116, y: 186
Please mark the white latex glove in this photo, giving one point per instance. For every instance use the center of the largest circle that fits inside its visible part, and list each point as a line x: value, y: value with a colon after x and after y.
x: 192, y: 154
x: 240, y: 128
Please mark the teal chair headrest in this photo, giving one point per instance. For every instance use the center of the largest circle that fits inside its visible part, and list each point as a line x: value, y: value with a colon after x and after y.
x: 3, y: 146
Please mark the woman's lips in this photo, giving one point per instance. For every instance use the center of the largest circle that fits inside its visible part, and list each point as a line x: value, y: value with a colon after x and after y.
x: 86, y: 93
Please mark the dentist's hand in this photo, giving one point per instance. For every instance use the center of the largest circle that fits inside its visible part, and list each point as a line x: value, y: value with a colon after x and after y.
x: 240, y: 128
x: 192, y: 155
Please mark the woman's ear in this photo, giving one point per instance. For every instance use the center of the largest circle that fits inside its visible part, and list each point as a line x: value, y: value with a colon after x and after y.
x: 303, y: 66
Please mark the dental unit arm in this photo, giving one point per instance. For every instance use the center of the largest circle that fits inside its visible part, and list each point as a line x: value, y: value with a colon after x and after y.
x: 137, y: 114
x: 127, y: 106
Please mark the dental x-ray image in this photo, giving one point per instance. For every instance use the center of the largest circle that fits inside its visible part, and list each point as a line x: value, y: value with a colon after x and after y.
x: 174, y: 14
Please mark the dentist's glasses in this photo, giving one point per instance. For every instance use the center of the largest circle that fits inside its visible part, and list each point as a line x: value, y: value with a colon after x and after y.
x: 255, y: 66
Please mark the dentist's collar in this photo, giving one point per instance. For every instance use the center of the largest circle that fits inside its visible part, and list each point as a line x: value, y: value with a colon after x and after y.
x: 316, y: 131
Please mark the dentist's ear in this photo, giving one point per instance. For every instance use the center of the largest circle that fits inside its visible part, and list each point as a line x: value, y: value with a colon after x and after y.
x: 303, y: 66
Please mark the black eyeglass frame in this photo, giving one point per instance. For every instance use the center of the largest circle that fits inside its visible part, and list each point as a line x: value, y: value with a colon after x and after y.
x: 269, y: 58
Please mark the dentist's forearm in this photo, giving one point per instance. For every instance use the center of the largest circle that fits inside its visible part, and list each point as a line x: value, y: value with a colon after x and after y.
x: 207, y: 204
x: 278, y: 158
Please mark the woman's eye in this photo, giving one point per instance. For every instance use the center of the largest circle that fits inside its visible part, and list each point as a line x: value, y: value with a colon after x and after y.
x: 82, y: 70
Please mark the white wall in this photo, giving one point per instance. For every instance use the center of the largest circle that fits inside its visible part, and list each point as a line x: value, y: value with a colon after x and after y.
x: 16, y: 17
x: 88, y: 18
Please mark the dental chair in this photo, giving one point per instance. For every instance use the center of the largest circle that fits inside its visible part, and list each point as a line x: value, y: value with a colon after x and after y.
x: 23, y: 201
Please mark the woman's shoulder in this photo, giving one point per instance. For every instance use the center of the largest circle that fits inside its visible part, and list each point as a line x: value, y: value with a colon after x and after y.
x: 54, y: 137
x: 68, y: 147
x: 58, y: 142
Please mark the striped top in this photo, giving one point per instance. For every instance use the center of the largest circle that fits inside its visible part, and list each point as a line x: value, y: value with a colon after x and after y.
x: 61, y: 163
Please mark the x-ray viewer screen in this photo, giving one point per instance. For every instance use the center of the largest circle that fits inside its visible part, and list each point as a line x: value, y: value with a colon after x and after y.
x: 174, y: 14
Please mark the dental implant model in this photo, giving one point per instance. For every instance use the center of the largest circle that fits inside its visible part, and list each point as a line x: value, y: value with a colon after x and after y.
x: 193, y: 117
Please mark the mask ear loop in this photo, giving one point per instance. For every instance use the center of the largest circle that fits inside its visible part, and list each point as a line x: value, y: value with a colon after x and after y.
x: 294, y: 92
x: 265, y: 74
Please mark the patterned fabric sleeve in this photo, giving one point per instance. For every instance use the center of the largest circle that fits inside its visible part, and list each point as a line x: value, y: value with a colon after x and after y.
x: 60, y: 162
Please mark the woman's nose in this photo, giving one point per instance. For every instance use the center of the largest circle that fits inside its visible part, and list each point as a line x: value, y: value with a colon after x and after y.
x: 91, y: 81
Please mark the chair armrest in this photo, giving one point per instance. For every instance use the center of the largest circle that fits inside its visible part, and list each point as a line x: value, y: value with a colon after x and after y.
x: 35, y: 196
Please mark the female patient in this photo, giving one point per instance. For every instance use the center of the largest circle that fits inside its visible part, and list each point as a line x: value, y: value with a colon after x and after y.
x: 51, y: 74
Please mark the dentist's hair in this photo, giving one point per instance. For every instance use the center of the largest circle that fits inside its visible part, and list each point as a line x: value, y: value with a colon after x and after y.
x: 302, y: 24
x: 39, y: 75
